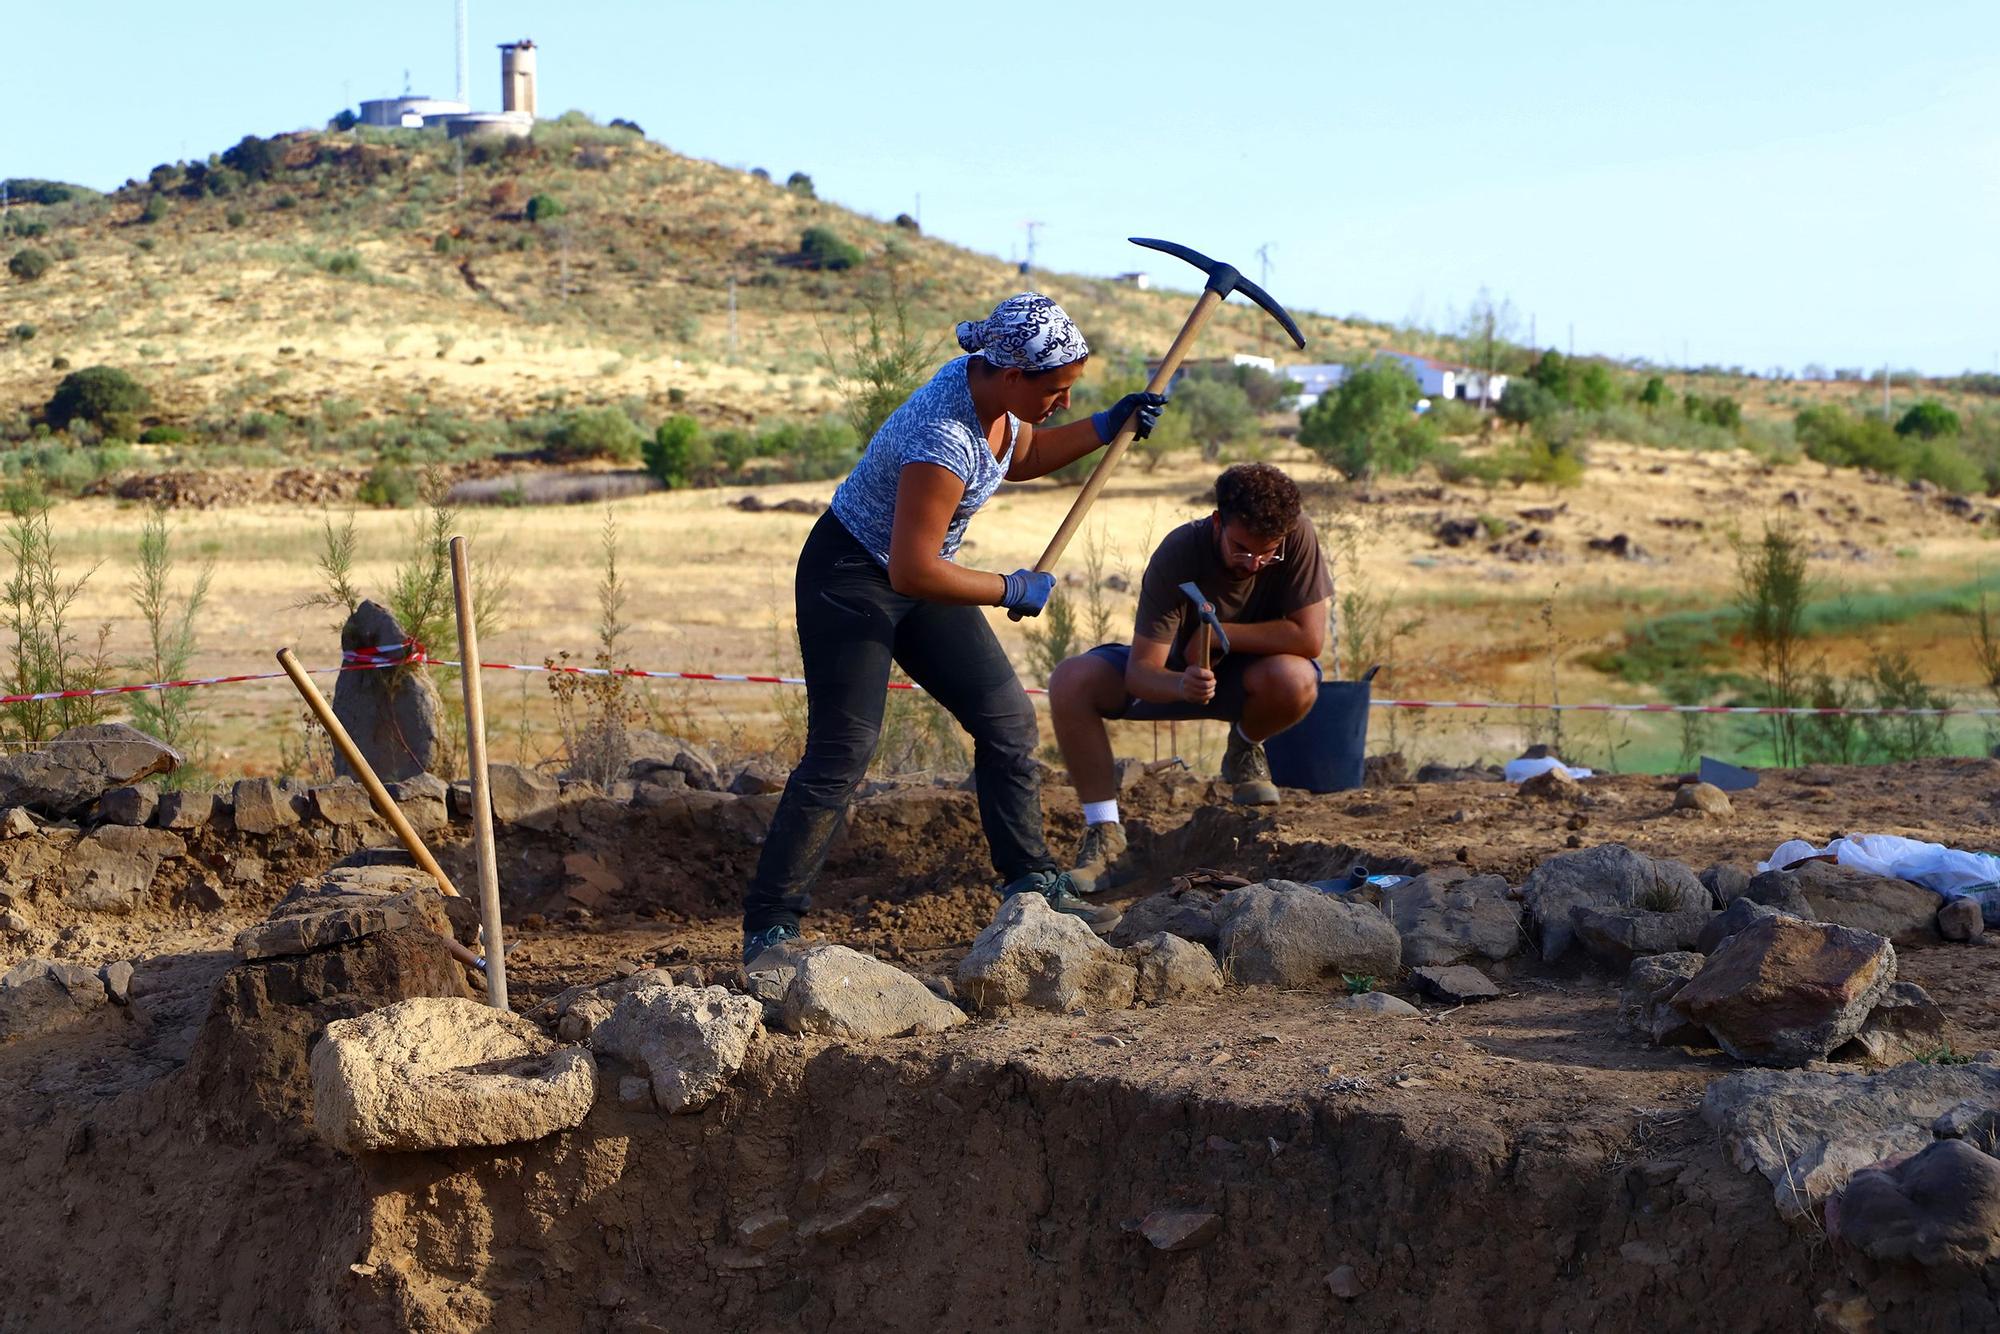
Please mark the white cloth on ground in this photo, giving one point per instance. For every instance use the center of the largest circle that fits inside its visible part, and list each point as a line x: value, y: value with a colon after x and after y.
x: 1520, y: 771
x: 1942, y: 870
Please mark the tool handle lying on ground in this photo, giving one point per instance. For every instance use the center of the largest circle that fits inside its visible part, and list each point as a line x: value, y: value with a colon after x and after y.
x: 1223, y: 279
x: 482, y: 790
x: 378, y: 796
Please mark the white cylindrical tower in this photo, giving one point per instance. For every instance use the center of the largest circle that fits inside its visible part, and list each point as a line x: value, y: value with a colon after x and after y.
x: 517, y: 76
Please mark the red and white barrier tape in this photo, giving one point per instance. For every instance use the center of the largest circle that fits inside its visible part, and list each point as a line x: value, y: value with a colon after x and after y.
x: 374, y: 659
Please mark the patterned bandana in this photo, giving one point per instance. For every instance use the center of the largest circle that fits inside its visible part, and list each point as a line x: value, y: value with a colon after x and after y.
x: 1027, y: 332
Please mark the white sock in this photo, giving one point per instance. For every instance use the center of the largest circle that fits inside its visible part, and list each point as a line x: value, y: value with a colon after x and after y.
x: 1101, y: 812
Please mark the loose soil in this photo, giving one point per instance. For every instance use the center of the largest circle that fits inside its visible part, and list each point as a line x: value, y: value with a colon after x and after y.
x: 1508, y: 1166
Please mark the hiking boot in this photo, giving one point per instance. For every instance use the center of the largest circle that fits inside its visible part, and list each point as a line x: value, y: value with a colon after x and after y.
x: 1103, y: 846
x: 756, y: 943
x: 1244, y: 764
x: 1057, y: 888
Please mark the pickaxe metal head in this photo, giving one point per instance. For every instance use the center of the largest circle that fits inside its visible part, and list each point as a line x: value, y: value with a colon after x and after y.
x: 1206, y: 610
x: 1223, y: 279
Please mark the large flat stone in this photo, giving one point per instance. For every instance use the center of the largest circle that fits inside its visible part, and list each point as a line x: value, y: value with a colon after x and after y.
x: 1447, y: 922
x: 1617, y: 936
x: 1784, y: 992
x: 1830, y: 892
x: 111, y: 868
x: 441, y: 1073
x: 261, y: 806
x: 1033, y: 956
x: 1609, y: 877
x: 80, y: 765
x: 1290, y: 935
x: 40, y: 996
x: 846, y: 994
x: 689, y: 1041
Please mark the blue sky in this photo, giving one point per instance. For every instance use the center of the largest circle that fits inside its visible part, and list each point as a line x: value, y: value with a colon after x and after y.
x: 1760, y: 183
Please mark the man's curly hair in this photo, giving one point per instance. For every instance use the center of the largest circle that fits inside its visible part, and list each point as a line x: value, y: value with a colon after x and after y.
x: 1259, y: 497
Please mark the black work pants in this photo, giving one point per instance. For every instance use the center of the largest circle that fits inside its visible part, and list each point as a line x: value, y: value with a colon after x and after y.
x: 852, y: 625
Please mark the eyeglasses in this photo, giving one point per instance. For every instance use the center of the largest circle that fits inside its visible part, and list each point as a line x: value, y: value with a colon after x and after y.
x: 1238, y: 555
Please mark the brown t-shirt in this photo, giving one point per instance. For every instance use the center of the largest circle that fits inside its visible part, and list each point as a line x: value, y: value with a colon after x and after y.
x: 1191, y: 553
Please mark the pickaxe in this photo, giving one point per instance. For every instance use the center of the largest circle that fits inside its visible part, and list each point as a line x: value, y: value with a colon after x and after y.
x: 1211, y: 624
x: 1223, y: 279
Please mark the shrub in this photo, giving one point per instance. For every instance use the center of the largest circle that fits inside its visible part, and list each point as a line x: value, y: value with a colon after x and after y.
x: 28, y: 264
x: 823, y: 249
x: 600, y: 433
x: 343, y: 121
x: 233, y: 218
x: 389, y: 486
x: 28, y: 190
x: 162, y: 435
x: 257, y: 159
x: 23, y: 332
x: 801, y: 184
x: 343, y: 262
x: 1218, y: 413
x: 1594, y: 388
x: 678, y: 454
x: 102, y: 396
x: 759, y: 173
x: 620, y: 123
x: 1553, y: 372
x: 908, y: 223
x: 1929, y: 421
x: 1367, y: 426
x: 1526, y: 402
x: 156, y: 208
x: 542, y: 208
x: 1654, y: 394
x: 26, y: 228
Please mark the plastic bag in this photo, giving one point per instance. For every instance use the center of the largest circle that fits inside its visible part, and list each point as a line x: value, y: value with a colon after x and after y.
x: 1942, y: 870
x: 1520, y: 771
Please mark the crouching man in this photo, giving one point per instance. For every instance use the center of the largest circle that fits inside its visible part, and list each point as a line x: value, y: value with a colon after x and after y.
x: 1258, y: 560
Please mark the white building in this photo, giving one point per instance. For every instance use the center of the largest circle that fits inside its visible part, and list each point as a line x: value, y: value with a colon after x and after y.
x: 1313, y: 381
x: 408, y: 112
x: 1435, y: 379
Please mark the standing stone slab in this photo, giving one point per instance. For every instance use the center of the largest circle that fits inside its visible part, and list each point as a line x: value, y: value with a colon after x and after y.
x: 261, y: 806
x: 442, y: 1073
x: 393, y: 713
x: 844, y: 993
x: 1283, y: 934
x: 1784, y: 992
x: 1612, y: 877
x: 132, y: 804
x: 80, y: 765
x: 1034, y: 956
x: 1447, y: 922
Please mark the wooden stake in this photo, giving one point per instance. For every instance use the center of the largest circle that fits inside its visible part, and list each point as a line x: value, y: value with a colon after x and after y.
x: 378, y: 796
x: 482, y: 791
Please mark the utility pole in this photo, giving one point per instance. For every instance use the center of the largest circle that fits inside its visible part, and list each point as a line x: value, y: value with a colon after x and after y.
x: 1028, y: 264
x: 1264, y: 281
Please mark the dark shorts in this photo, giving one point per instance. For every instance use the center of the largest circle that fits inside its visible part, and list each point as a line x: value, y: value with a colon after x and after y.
x: 1229, y: 694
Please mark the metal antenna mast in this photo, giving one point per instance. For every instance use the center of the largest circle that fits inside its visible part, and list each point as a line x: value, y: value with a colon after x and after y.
x: 464, y: 92
x: 1028, y: 264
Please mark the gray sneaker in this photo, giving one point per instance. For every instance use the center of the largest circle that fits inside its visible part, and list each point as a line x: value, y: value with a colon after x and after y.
x: 1097, y: 857
x: 1244, y: 764
x: 1055, y: 886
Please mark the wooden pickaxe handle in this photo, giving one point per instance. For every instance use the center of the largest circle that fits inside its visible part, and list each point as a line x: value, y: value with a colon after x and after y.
x: 1115, y: 451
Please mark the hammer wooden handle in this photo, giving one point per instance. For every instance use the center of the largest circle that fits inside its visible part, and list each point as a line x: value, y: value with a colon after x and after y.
x: 1115, y: 451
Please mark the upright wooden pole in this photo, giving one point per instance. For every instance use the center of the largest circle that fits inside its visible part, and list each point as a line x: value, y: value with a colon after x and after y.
x: 482, y: 791
x: 378, y: 796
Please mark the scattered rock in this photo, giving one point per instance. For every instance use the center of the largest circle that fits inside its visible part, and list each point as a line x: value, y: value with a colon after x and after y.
x: 1179, y: 1229
x: 343, y: 804
x: 1703, y: 799
x: 1551, y: 785
x: 846, y: 994
x: 17, y: 823
x: 1618, y: 936
x: 1385, y: 770
x: 1344, y: 1283
x: 1740, y: 913
x: 183, y: 810
x: 111, y: 868
x: 1280, y: 933
x: 1456, y: 985
x: 1645, y: 1009
x: 14, y: 922
x: 40, y: 996
x: 854, y: 1224
x: 1830, y: 892
x: 132, y: 804
x: 523, y: 796
x: 1034, y: 956
x: 117, y: 981
x: 758, y: 778
x: 1445, y: 773
x: 1726, y: 883
x: 1445, y: 922
x: 80, y: 765
x: 421, y: 798
x: 1173, y: 969
x: 690, y: 1041
x: 394, y: 714
x: 654, y: 756
x: 1905, y: 1023
x: 261, y: 806
x: 436, y: 1073
x: 575, y: 1012
x: 1377, y: 1002
x: 1784, y: 992
x: 1960, y: 919
x: 1807, y: 1132
x: 1939, y: 1207
x: 761, y: 1231
x: 1610, y: 876
x: 306, y: 931
x: 1186, y: 910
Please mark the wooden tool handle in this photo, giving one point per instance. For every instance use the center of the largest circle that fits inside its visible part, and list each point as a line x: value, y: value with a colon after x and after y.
x: 378, y: 796
x: 482, y: 791
x: 1115, y: 451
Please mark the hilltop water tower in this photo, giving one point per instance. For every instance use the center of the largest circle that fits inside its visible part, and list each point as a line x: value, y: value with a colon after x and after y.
x: 517, y: 77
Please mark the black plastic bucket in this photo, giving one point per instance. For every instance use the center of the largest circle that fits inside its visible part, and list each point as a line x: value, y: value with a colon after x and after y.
x: 1325, y: 752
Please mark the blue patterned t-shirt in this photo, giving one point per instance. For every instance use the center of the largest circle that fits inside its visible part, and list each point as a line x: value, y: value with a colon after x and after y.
x: 938, y: 424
